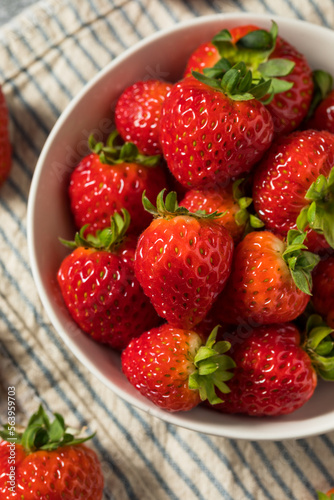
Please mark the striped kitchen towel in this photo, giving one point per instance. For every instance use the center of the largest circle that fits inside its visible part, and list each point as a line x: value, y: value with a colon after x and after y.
x: 47, y: 54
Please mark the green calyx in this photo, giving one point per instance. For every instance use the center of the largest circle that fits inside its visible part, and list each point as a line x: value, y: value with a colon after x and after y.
x: 105, y: 239
x: 319, y: 344
x: 319, y: 214
x: 112, y: 153
x: 41, y: 434
x: 323, y: 496
x: 243, y: 217
x: 212, y: 369
x: 323, y: 84
x: 300, y: 261
x: 170, y: 208
x: 244, y: 71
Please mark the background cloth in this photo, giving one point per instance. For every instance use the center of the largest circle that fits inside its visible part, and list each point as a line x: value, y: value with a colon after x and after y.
x: 47, y: 54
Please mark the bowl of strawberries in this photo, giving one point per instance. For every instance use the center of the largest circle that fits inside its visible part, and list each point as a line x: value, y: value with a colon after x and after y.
x: 181, y: 226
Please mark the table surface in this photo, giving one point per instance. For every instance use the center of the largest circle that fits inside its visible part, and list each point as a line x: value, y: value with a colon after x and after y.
x: 9, y: 9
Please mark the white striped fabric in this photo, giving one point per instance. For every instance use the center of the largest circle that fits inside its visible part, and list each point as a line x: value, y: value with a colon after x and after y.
x: 47, y: 54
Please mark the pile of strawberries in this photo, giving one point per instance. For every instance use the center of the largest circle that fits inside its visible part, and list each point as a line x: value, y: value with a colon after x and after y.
x: 206, y: 228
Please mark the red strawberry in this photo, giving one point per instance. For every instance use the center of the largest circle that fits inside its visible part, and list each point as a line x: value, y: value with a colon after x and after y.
x: 323, y: 118
x: 182, y: 261
x: 228, y: 201
x: 275, y: 374
x: 137, y: 114
x: 5, y: 146
x: 48, y: 463
x: 270, y: 280
x: 174, y: 369
x: 264, y: 53
x: 323, y: 290
x: 292, y: 178
x: 207, y: 54
x: 112, y: 178
x: 208, y: 135
x: 100, y: 289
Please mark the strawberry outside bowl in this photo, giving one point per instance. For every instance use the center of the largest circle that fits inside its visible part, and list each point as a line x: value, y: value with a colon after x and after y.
x: 49, y: 213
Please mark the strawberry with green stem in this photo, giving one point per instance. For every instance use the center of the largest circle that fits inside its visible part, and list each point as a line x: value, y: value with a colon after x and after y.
x: 49, y: 462
x: 270, y: 281
x: 268, y: 56
x: 99, y: 286
x: 213, y: 129
x: 293, y: 186
x: 326, y: 496
x: 182, y: 261
x: 231, y: 202
x: 175, y: 369
x: 113, y: 177
x: 277, y: 368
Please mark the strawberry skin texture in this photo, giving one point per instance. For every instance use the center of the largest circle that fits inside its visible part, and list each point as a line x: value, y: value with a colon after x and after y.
x: 207, y: 138
x: 289, y: 108
x: 67, y: 473
x: 274, y: 375
x: 182, y: 264
x: 104, y: 297
x: 260, y: 289
x: 5, y: 146
x: 220, y: 200
x: 323, y: 290
x: 159, y: 363
x: 137, y: 114
x: 323, y: 118
x: 283, y: 177
x: 98, y: 190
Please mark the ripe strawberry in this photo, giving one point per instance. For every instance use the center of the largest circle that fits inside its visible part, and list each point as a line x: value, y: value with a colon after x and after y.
x: 323, y: 290
x: 182, y: 261
x: 137, y: 114
x: 267, y: 55
x: 270, y: 281
x: 100, y: 289
x: 213, y: 130
x: 291, y: 179
x: 174, y: 369
x: 320, y: 115
x: 5, y: 146
x: 47, y: 462
x: 229, y: 201
x: 111, y: 178
x: 275, y: 374
x: 323, y: 118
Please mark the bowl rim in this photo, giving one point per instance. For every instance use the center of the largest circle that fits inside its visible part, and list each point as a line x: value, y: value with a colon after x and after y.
x: 320, y: 424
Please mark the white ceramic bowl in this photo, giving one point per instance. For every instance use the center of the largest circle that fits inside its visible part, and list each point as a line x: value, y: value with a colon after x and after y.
x: 48, y: 211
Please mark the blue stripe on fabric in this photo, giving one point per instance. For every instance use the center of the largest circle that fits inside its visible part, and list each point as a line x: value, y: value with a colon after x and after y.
x: 272, y: 471
x: 13, y: 216
x: 320, y: 13
x: 228, y: 465
x: 326, y: 440
x: 296, y: 469
x: 213, y: 480
x: 93, y: 394
x: 315, y: 460
x: 17, y: 190
x: 235, y: 447
x: 31, y: 110
x: 294, y: 9
x: 28, y: 382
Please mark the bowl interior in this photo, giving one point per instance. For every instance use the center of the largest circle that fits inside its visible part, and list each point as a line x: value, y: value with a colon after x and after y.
x: 49, y: 216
